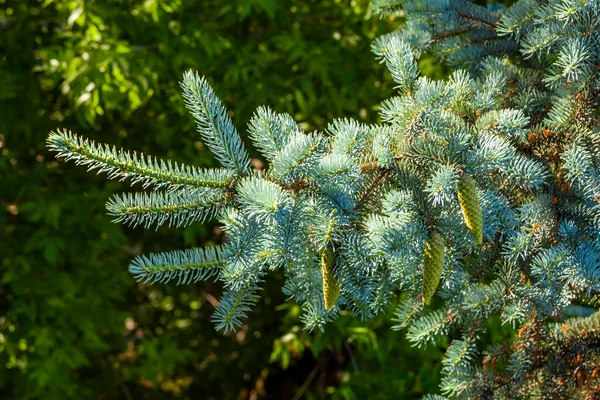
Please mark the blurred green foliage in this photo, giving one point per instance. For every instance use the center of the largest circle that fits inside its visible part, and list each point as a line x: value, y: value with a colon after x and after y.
x: 73, y: 323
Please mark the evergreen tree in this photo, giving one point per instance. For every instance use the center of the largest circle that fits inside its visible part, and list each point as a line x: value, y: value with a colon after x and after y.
x: 478, y: 194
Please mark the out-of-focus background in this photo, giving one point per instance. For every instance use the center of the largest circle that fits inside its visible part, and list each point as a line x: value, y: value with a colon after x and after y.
x: 73, y: 322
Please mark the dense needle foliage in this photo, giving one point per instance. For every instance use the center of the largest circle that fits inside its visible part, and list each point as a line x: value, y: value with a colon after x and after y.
x: 73, y: 324
x: 485, y: 181
x: 483, y: 187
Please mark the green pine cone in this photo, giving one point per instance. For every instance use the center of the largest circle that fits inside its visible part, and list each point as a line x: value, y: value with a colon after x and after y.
x: 433, y: 264
x: 331, y: 289
x: 469, y: 202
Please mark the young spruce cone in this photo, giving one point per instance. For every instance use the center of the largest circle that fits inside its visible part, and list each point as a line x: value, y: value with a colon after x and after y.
x: 433, y: 264
x: 331, y: 289
x: 467, y: 197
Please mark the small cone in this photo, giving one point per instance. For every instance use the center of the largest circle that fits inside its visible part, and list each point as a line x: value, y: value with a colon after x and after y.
x: 469, y: 203
x: 433, y: 264
x: 331, y: 289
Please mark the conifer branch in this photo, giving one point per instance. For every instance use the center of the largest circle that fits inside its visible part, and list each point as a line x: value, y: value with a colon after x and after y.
x: 399, y: 59
x: 144, y: 169
x: 233, y: 307
x: 270, y: 132
x: 186, y: 266
x: 175, y: 208
x: 214, y: 124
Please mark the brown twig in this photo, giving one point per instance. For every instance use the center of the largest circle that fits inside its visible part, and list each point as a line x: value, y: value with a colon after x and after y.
x: 371, y: 187
x: 477, y: 19
x: 450, y: 34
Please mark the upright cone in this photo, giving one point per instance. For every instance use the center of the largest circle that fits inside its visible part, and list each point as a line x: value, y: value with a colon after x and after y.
x: 331, y: 289
x: 433, y: 264
x: 469, y: 202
